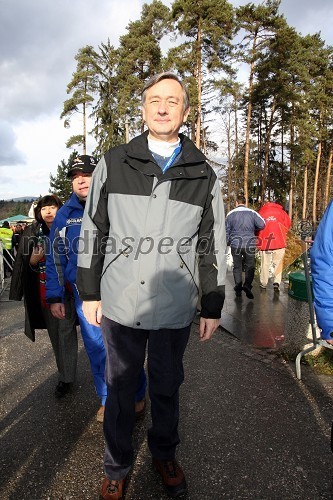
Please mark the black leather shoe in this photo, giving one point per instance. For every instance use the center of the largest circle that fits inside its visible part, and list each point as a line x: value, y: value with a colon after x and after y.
x: 172, y: 476
x: 248, y: 292
x: 62, y: 389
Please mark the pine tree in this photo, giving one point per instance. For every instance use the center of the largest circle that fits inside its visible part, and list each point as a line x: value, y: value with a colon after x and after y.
x: 207, y: 26
x: 60, y: 184
x: 140, y: 58
x: 108, y: 130
x: 229, y: 97
x: 259, y: 24
x: 270, y: 97
x: 84, y: 85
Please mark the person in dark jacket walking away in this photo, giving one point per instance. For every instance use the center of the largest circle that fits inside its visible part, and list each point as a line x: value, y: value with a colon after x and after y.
x: 28, y: 281
x: 153, y: 220
x: 61, y: 269
x: 242, y: 224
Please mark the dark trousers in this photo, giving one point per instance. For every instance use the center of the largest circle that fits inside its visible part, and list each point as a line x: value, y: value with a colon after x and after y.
x: 125, y: 355
x: 243, y: 257
x: 7, y: 262
x: 63, y: 336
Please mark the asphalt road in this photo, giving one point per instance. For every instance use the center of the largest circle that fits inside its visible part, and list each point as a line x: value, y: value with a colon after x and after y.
x: 249, y: 428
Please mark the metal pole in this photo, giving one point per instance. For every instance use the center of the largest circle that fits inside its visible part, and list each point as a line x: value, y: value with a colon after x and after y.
x: 311, y: 311
x: 309, y: 292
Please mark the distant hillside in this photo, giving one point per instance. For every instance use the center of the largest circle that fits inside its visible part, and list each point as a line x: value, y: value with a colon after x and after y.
x: 15, y: 207
x: 24, y: 198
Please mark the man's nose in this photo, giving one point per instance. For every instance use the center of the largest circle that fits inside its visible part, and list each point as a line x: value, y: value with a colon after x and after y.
x: 162, y: 107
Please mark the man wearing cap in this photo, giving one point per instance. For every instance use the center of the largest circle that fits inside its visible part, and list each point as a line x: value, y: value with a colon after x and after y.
x: 61, y: 266
x: 153, y: 223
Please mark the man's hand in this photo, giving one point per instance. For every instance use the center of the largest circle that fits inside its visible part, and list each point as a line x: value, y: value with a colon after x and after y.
x: 92, y: 311
x: 37, y: 255
x: 58, y: 310
x: 207, y: 328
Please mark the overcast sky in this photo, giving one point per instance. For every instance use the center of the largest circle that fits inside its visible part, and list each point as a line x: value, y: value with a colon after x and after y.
x: 38, y: 40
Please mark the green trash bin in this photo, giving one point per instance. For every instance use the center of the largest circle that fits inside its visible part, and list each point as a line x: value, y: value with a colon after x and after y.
x: 297, y: 328
x: 297, y: 286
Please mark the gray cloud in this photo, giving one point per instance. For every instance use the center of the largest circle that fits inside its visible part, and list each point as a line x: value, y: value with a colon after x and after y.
x: 309, y: 17
x: 39, y: 40
x: 9, y: 153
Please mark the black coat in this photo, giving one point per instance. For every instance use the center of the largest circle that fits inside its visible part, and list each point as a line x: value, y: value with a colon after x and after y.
x: 25, y: 282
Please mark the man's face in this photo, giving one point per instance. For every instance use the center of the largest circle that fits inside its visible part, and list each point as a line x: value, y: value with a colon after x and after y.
x: 81, y: 184
x: 163, y: 110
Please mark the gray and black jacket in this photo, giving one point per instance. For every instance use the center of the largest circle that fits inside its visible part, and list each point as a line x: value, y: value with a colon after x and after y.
x: 147, y: 238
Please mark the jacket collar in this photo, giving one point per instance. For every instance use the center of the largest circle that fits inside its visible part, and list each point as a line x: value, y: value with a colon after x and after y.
x: 74, y: 202
x: 191, y: 158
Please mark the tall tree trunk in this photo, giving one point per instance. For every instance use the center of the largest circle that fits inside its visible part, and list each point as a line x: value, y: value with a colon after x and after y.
x: 305, y: 191
x: 282, y: 147
x: 236, y: 150
x: 315, y: 186
x: 193, y: 131
x: 248, y: 125
x: 328, y: 178
x: 259, y: 141
x: 84, y: 142
x: 267, y: 150
x: 236, y: 127
x: 126, y: 130
x: 282, y: 143
x: 292, y: 171
x: 204, y: 142
x: 229, y: 161
x: 199, y: 80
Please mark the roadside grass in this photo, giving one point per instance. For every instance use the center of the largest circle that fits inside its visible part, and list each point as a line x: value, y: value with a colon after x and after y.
x: 321, y: 361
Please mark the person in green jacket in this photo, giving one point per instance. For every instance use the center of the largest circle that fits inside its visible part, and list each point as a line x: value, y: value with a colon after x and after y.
x: 6, y: 235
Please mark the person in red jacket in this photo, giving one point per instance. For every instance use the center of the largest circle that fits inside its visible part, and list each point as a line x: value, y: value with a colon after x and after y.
x: 272, y: 242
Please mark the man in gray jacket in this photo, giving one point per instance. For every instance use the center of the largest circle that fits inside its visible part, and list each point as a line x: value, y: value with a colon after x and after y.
x: 153, y: 224
x: 242, y: 223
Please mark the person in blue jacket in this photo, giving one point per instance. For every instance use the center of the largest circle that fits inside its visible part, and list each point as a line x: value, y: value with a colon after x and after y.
x: 241, y: 224
x: 61, y: 267
x: 321, y: 256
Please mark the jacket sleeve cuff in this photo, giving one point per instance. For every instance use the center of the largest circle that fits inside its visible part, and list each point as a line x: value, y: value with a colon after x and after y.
x: 54, y: 300
x: 90, y: 297
x: 212, y: 303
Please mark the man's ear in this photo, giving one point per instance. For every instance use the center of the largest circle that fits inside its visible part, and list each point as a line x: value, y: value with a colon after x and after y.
x: 187, y: 112
x: 143, y: 112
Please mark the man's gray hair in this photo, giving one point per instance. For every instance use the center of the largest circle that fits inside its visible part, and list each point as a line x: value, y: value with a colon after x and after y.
x: 167, y: 75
